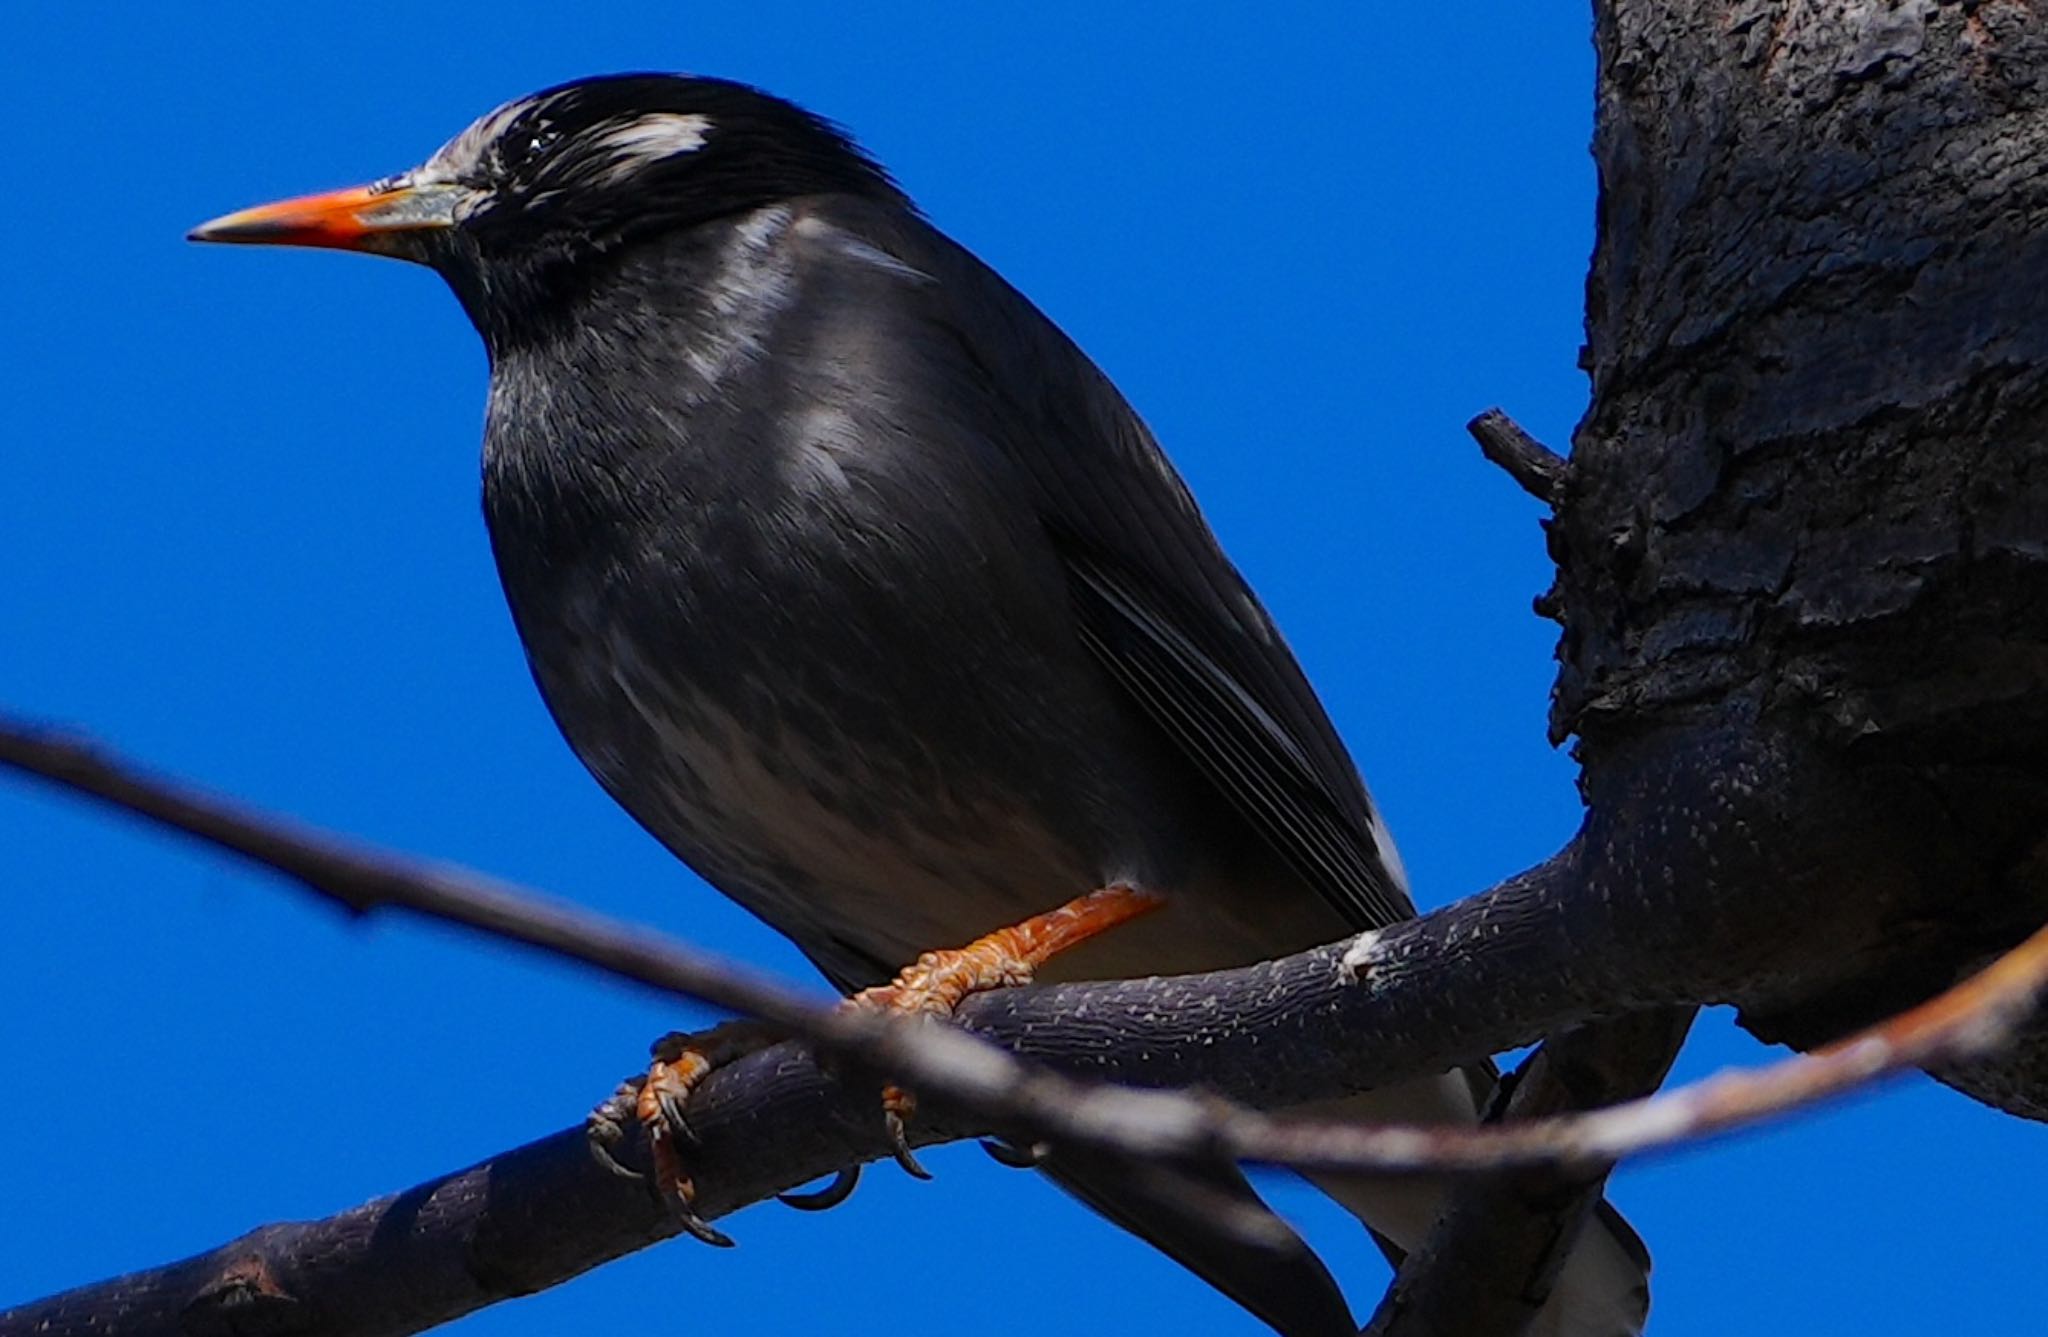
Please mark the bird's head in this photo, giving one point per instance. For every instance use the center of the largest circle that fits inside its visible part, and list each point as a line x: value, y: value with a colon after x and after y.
x: 510, y: 209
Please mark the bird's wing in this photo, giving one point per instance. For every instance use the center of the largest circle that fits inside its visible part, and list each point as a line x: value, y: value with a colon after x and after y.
x: 1161, y: 608
x: 1175, y: 627
x: 1166, y: 614
x: 1228, y: 698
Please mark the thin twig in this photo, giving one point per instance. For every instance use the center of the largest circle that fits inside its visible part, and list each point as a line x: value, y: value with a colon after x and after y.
x: 361, y: 879
x: 947, y: 1063
x: 1494, y: 1257
x: 1131, y: 1028
x: 1973, y: 1018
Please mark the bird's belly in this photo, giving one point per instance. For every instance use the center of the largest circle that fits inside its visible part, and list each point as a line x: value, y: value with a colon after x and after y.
x: 847, y: 833
x: 828, y: 831
x: 874, y: 794
x: 817, y: 851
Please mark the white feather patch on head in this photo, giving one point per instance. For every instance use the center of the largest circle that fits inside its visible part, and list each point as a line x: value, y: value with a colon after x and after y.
x: 648, y: 139
x: 461, y: 156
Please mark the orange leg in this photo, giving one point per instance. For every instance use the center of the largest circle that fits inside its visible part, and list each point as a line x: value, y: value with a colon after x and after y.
x: 938, y: 982
x: 658, y: 1102
x: 934, y: 985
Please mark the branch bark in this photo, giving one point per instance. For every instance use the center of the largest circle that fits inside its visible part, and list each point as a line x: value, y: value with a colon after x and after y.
x: 1537, y: 468
x: 1381, y: 1008
x: 537, y: 1215
x: 1806, y: 503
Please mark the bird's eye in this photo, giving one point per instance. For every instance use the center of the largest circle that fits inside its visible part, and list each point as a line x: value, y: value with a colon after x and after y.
x: 522, y: 152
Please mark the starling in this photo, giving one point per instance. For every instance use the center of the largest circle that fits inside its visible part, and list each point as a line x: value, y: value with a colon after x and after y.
x: 856, y: 583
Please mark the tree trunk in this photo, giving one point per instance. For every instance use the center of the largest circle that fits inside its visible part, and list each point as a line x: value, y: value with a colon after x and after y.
x: 1803, y: 541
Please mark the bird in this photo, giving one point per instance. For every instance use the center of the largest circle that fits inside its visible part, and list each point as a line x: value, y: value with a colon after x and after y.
x: 857, y: 583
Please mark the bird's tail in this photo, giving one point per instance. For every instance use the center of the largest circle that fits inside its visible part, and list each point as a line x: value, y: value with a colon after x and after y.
x: 1603, y: 1290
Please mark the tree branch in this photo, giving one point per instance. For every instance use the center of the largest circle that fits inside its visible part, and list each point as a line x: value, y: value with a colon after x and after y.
x: 1414, y: 998
x: 1536, y: 467
x: 1305, y: 1014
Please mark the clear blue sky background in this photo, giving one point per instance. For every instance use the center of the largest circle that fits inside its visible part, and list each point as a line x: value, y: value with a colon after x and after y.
x: 241, y: 538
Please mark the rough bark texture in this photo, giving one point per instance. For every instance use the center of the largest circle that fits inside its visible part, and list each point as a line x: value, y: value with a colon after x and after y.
x: 1268, y: 1035
x: 1471, y: 979
x: 1803, y: 545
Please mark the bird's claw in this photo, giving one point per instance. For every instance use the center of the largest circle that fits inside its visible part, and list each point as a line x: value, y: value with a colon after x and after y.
x: 897, y: 1103
x: 1025, y: 1157
x: 659, y: 1105
x: 696, y: 1226
x: 665, y: 1099
x: 604, y: 1128
x: 934, y: 985
x: 658, y: 1102
x: 825, y: 1199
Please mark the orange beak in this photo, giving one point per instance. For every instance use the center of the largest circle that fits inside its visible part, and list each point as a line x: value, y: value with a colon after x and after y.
x: 362, y: 218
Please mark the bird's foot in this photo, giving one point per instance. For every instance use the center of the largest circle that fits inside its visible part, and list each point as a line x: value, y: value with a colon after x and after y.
x: 933, y: 986
x: 938, y: 982
x: 659, y: 1101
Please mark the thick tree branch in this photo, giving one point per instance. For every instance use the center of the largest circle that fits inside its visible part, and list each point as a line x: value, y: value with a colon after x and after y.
x: 1977, y: 1017
x: 1408, y: 1000
x: 1277, y: 1033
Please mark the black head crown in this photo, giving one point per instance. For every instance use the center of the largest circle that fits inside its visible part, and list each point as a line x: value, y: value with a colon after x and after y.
x: 589, y: 162
x: 511, y: 209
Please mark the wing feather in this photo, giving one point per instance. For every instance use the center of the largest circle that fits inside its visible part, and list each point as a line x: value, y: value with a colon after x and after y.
x: 1159, y: 605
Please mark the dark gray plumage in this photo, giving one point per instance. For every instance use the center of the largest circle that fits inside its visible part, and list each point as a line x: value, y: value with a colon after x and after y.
x: 855, y: 582
x: 870, y: 583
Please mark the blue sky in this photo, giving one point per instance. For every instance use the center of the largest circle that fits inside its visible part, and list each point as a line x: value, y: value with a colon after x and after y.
x: 242, y: 537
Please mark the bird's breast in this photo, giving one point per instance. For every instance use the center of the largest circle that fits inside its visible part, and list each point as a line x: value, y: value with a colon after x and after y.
x: 786, y: 603
x: 822, y: 813
x: 862, y: 714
